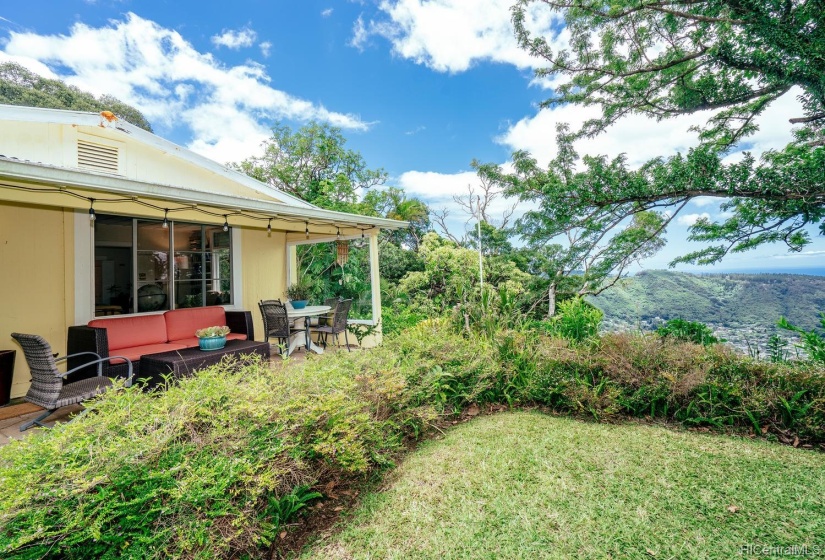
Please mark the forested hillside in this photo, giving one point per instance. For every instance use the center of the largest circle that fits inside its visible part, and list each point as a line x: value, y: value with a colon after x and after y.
x: 737, y: 306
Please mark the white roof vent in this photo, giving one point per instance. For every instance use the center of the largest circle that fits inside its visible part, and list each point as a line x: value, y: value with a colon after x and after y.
x: 97, y: 157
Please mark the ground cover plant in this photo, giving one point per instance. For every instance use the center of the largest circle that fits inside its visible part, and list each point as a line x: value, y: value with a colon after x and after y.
x: 213, y: 466
x: 527, y: 485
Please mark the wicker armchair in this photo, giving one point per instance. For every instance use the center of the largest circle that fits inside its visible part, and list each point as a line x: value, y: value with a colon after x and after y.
x: 325, y: 319
x: 48, y: 388
x: 339, y: 324
x: 276, y: 322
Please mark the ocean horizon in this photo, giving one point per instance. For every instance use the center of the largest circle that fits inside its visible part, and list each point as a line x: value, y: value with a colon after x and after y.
x: 802, y: 271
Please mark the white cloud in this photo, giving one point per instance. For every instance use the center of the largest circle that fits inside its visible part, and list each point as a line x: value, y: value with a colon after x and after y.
x: 691, y: 219
x: 235, y: 39
x: 327, y: 12
x: 452, y: 35
x: 360, y: 35
x: 800, y: 255
x: 159, y: 72
x: 438, y: 190
x: 703, y: 201
x: 436, y: 187
x: 640, y: 137
x: 34, y: 65
x: 266, y: 48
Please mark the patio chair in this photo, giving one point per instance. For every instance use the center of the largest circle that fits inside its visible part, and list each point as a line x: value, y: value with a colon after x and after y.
x: 277, y: 323
x: 339, y: 324
x: 48, y: 388
x: 326, y: 319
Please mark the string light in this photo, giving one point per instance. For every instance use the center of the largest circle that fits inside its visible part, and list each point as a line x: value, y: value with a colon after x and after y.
x: 269, y: 227
x: 362, y: 234
x: 165, y: 223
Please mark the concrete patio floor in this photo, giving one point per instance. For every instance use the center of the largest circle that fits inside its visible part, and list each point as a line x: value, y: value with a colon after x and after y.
x: 12, y: 416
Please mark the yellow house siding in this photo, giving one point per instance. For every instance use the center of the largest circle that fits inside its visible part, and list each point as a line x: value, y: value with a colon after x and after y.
x: 36, y: 284
x: 263, y: 263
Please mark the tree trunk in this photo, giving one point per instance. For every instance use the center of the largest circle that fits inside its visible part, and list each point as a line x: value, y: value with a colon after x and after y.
x: 551, y: 304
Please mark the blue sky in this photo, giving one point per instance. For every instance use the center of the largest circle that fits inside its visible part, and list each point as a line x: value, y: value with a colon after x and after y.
x: 419, y: 87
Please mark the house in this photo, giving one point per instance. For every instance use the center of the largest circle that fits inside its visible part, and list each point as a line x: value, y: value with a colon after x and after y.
x: 100, y: 217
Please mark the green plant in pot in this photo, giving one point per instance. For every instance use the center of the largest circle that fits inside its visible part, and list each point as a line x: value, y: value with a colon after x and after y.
x: 212, y: 338
x: 298, y: 294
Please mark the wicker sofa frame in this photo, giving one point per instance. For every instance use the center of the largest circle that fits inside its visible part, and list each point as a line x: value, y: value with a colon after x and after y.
x: 95, y: 339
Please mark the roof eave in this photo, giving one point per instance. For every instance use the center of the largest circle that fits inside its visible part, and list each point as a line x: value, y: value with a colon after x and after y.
x: 36, y: 173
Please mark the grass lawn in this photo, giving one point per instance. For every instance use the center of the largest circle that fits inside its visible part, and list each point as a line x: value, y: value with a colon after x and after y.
x: 526, y: 485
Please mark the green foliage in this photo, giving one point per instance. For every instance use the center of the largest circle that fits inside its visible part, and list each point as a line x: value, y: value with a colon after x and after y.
x: 777, y: 352
x: 318, y: 266
x: 450, y: 276
x: 597, y: 248
x: 300, y: 291
x: 398, y: 316
x: 688, y: 331
x: 813, y: 342
x: 212, y: 332
x: 313, y: 164
x: 393, y: 203
x: 665, y: 59
x: 394, y: 262
x: 214, y: 465
x: 19, y: 86
x: 576, y: 320
x: 363, y: 330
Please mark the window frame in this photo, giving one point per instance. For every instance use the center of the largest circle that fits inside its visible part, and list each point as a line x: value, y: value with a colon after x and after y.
x: 207, y: 230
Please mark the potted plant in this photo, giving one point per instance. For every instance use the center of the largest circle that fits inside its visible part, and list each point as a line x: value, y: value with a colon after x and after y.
x: 298, y: 294
x: 212, y: 338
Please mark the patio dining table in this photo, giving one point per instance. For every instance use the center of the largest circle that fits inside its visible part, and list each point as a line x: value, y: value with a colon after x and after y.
x: 308, y: 311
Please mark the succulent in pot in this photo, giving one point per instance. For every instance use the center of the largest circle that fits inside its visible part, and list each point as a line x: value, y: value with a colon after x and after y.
x: 298, y: 294
x: 212, y: 338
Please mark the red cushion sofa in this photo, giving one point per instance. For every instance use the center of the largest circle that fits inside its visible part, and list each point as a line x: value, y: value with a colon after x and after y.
x: 133, y: 336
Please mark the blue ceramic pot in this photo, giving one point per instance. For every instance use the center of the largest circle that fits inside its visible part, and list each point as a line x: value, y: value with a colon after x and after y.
x: 212, y: 343
x: 298, y: 303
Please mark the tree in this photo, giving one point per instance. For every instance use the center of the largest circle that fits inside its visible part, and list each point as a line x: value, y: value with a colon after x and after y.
x: 476, y: 205
x: 19, y: 86
x: 665, y: 58
x: 394, y: 204
x: 314, y: 165
x: 597, y: 247
x: 450, y: 273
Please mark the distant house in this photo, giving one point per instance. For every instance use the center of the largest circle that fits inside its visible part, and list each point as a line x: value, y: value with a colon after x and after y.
x: 100, y: 217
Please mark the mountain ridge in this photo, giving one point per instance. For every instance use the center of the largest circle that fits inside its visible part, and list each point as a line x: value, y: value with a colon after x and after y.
x: 742, y: 307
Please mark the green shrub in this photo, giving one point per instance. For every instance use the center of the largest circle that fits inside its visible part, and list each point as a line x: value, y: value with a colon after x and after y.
x: 813, y: 342
x: 213, y: 466
x: 688, y: 331
x: 576, y: 320
x: 397, y: 317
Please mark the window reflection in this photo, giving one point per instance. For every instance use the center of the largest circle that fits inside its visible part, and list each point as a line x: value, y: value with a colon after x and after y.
x: 183, y: 265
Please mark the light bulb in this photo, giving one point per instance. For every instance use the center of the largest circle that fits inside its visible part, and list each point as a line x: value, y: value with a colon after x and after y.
x: 307, y: 229
x: 225, y: 224
x: 165, y: 220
